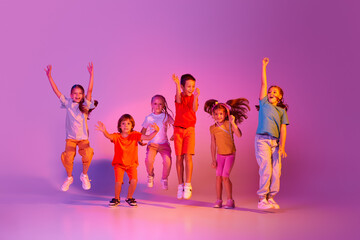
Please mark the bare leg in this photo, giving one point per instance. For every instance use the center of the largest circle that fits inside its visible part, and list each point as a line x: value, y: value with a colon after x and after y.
x: 132, y: 188
x: 228, y: 187
x: 188, y: 167
x: 117, y: 190
x: 180, y: 168
x: 219, y: 187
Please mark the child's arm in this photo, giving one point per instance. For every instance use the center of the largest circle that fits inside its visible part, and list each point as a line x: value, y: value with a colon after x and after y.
x: 91, y: 81
x: 152, y: 135
x: 178, y: 89
x: 143, y: 131
x: 282, y: 152
x: 263, y: 88
x: 196, y: 100
x: 52, y: 83
x: 101, y: 128
x: 234, y: 127
x: 213, y: 151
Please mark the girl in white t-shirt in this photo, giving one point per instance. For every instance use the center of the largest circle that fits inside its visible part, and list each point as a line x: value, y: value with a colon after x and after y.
x: 160, y: 143
x: 78, y: 107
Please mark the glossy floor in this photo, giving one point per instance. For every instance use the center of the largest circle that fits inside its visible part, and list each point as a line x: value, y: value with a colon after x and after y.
x: 48, y: 213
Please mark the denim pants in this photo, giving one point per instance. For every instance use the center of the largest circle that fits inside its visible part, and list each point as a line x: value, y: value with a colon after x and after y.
x: 269, y: 161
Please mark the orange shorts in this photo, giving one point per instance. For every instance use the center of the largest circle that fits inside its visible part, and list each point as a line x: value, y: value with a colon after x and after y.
x: 184, y: 140
x: 119, y: 173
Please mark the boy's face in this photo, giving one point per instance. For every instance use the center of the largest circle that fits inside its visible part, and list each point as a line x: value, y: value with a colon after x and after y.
x: 126, y: 126
x: 189, y: 87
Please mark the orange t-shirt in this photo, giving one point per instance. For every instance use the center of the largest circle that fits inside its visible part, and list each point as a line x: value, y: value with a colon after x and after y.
x: 126, y: 150
x: 185, y: 116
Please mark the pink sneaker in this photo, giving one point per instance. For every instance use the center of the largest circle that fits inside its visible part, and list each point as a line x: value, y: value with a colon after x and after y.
x: 218, y: 204
x: 67, y: 184
x: 230, y: 204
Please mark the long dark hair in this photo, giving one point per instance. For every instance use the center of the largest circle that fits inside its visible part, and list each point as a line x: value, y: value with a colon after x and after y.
x: 281, y: 100
x: 237, y: 107
x: 166, y: 108
x: 82, y: 108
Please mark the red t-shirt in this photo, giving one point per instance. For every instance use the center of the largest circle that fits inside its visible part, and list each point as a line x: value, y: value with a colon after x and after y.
x: 126, y: 149
x: 185, y: 116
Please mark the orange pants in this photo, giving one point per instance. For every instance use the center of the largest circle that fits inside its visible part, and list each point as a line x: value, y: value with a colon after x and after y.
x: 68, y: 156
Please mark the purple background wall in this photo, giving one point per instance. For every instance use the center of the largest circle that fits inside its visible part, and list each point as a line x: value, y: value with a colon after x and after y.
x: 137, y: 45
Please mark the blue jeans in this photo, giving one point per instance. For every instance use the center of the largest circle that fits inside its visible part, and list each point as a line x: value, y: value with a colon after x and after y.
x: 269, y: 161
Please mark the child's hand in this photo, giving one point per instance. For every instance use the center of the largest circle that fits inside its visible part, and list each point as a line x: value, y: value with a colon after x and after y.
x: 48, y: 70
x: 141, y: 143
x: 265, y: 61
x: 100, y: 127
x: 176, y: 79
x: 172, y: 138
x: 155, y: 127
x: 196, y: 92
x: 282, y: 153
x: 214, y: 164
x: 90, y: 68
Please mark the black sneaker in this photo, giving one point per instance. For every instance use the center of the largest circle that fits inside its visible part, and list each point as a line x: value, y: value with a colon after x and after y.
x: 131, y: 202
x: 114, y: 202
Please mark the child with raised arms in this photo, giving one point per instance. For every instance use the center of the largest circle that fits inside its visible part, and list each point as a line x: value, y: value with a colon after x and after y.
x: 78, y: 107
x: 226, y: 116
x: 160, y: 143
x: 126, y: 155
x: 270, y: 140
x: 186, y: 105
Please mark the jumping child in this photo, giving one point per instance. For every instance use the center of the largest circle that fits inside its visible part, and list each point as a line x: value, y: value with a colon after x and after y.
x: 78, y: 107
x: 227, y: 116
x: 186, y: 104
x: 160, y: 143
x: 270, y: 140
x: 126, y: 155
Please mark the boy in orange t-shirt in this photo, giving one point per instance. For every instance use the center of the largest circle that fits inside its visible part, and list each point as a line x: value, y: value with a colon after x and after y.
x: 186, y: 104
x: 126, y: 155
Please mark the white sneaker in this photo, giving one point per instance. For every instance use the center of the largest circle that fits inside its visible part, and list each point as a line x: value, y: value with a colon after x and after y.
x: 67, y: 184
x: 187, y: 192
x: 164, y: 184
x: 85, y: 181
x: 180, y: 192
x: 273, y: 203
x: 150, y: 182
x: 264, y: 204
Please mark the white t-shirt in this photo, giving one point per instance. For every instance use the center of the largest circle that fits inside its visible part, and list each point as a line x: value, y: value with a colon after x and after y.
x: 163, y: 122
x: 75, y: 122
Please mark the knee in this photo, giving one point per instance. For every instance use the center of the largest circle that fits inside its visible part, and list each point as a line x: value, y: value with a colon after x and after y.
x: 133, y: 181
x: 67, y: 156
x: 226, y: 179
x: 219, y: 178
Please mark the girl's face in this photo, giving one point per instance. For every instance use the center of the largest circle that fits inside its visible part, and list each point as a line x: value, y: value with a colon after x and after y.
x: 189, y: 87
x: 157, y: 105
x: 219, y: 115
x: 274, y: 95
x: 126, y: 126
x: 77, y: 95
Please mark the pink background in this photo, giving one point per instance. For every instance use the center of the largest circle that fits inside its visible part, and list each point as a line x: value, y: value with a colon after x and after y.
x: 136, y: 46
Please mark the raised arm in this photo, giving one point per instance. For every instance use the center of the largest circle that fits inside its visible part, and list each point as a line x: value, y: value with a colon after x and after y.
x: 282, y: 152
x: 213, y: 150
x: 101, y: 128
x: 263, y: 88
x: 196, y: 100
x: 178, y: 89
x: 52, y: 83
x: 234, y: 127
x: 91, y: 81
x: 152, y: 135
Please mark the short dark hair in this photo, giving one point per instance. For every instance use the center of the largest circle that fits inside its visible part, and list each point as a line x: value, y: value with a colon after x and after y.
x: 126, y: 117
x: 185, y: 78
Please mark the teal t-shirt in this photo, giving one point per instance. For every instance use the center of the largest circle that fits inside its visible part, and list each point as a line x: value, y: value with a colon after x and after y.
x: 270, y: 118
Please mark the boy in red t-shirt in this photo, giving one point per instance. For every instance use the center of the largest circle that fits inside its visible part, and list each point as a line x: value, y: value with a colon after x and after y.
x: 186, y: 104
x: 126, y: 155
